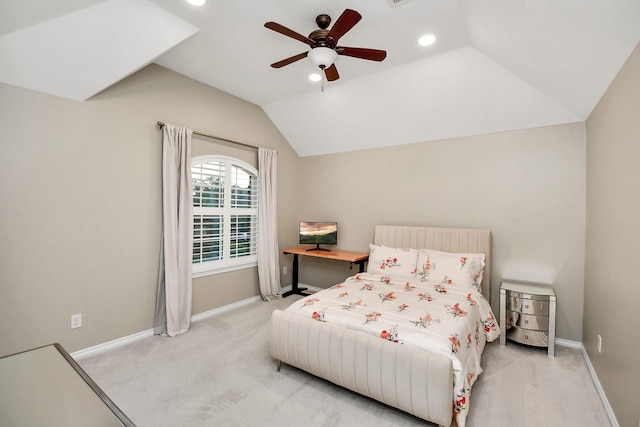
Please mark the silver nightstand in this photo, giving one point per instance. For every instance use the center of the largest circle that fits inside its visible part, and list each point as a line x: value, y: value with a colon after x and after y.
x: 528, y: 314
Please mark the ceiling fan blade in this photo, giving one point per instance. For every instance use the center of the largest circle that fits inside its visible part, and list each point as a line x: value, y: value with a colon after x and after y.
x: 288, y: 61
x: 331, y: 73
x: 289, y: 33
x: 345, y: 22
x: 362, y: 53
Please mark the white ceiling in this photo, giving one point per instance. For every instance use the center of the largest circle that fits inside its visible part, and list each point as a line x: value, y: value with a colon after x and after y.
x: 497, y: 65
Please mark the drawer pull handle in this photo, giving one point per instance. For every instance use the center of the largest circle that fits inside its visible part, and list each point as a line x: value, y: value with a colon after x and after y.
x: 526, y: 337
x: 526, y: 322
x: 526, y: 306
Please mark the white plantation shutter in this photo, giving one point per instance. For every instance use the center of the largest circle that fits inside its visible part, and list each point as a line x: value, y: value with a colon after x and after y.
x: 207, y: 238
x: 225, y: 214
x: 208, y: 184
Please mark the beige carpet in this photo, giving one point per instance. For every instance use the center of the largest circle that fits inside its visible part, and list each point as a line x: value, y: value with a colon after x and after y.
x: 220, y: 374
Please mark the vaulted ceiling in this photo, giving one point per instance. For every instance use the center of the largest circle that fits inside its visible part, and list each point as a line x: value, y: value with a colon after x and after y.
x: 497, y: 65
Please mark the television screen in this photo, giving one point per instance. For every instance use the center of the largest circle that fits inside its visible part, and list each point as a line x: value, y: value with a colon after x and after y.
x: 318, y: 233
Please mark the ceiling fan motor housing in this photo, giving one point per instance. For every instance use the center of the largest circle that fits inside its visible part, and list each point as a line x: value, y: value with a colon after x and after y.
x: 323, y: 54
x: 320, y: 38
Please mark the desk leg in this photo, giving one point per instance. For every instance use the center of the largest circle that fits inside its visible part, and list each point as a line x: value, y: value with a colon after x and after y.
x: 294, y: 281
x: 361, y: 266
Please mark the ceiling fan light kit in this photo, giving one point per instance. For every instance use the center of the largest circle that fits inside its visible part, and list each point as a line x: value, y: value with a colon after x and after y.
x: 322, y: 57
x: 324, y: 43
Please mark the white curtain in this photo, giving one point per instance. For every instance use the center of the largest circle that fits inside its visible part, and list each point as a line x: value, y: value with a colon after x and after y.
x: 268, y: 257
x: 173, y: 305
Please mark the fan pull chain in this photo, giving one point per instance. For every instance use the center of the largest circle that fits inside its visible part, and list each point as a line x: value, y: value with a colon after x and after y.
x: 323, y: 79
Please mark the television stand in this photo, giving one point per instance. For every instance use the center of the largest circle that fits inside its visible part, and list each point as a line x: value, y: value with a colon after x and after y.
x: 318, y: 248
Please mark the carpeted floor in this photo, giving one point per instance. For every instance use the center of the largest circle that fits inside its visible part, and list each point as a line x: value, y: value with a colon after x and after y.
x: 220, y: 374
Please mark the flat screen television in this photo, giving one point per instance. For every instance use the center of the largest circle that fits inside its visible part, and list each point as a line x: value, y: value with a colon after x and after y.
x: 318, y: 233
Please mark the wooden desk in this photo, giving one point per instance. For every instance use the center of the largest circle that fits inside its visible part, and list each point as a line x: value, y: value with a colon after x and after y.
x: 358, y: 258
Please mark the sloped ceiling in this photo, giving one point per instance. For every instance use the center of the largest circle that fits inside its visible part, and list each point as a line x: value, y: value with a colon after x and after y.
x: 82, y: 52
x: 497, y: 65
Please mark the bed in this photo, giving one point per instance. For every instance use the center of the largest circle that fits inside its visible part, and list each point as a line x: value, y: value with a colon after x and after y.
x: 356, y: 335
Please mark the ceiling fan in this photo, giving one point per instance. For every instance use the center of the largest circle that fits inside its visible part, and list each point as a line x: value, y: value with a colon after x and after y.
x: 324, y: 43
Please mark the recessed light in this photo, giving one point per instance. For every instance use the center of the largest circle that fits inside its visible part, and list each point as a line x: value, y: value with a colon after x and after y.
x: 426, y: 40
x: 315, y: 77
x: 196, y: 2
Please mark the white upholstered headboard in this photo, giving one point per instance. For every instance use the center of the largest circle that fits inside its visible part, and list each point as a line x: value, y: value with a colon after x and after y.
x: 442, y: 239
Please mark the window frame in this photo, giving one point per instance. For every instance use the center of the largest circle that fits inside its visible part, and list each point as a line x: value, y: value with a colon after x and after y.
x: 227, y: 211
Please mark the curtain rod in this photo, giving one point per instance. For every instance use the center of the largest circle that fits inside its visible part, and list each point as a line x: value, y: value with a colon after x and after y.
x: 161, y: 124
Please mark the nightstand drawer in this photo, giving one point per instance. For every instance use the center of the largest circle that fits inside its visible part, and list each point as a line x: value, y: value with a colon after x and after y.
x: 525, y: 336
x: 528, y: 321
x: 538, y: 307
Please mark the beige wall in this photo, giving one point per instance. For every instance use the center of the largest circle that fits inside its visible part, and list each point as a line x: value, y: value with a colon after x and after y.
x: 528, y: 187
x: 612, y: 300
x: 80, y: 205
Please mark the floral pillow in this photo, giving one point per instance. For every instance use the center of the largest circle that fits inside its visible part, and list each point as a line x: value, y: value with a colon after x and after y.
x: 449, y: 267
x: 392, y: 261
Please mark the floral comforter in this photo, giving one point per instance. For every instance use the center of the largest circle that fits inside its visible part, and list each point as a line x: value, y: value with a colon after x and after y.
x: 444, y: 318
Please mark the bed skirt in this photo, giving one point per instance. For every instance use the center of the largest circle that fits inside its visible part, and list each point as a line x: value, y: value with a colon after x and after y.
x: 410, y: 379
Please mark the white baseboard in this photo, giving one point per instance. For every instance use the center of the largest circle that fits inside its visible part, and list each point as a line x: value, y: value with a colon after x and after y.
x: 224, y: 309
x: 603, y: 397
x: 568, y: 343
x: 80, y: 354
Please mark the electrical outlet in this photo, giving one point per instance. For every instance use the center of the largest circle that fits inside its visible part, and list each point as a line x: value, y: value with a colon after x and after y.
x: 76, y: 320
x: 599, y: 344
x: 285, y: 270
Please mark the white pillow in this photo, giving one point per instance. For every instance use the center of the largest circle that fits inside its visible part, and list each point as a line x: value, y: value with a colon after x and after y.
x: 392, y: 261
x: 449, y: 267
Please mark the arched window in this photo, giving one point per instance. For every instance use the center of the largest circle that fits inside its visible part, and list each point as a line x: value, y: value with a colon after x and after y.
x: 225, y: 214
